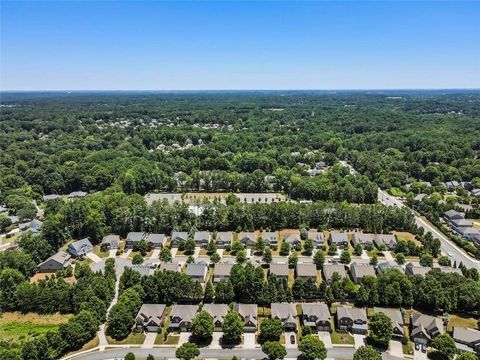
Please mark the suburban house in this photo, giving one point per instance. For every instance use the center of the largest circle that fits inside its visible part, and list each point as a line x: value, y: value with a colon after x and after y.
x: 279, y: 270
x: 475, y: 192
x: 359, y: 270
x: 178, y: 237
x: 352, y: 319
x: 340, y: 239
x: 286, y: 312
x: 386, y: 240
x: 51, y: 197
x: 80, y: 248
x: 221, y: 272
x: 452, y: 215
x: 293, y: 239
x: 77, y: 194
x: 110, y: 242
x: 33, y: 226
x: 133, y: 237
x: 270, y: 237
x: 181, y: 317
x: 471, y: 233
x: 461, y: 225
x: 58, y: 261
x: 306, y: 270
x: 143, y: 269
x: 467, y: 339
x: 389, y: 264
x: 218, y: 313
x: 412, y: 269
x: 202, y: 238
x: 424, y: 328
x: 248, y: 313
x: 156, y: 240
x: 150, y: 317
x: 171, y: 266
x: 365, y: 240
x: 397, y: 320
x: 197, y: 271
x: 247, y: 238
x: 223, y: 239
x: 330, y: 269
x: 447, y: 269
x: 316, y: 316
x: 317, y: 237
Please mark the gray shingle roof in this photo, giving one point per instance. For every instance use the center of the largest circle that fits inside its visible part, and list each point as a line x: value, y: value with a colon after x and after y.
x: 330, y: 269
x: 222, y: 269
x: 321, y: 311
x: 155, y: 238
x: 279, y: 269
x: 352, y: 313
x: 306, y: 269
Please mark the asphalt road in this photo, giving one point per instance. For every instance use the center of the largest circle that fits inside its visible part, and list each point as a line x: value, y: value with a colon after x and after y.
x: 447, y: 247
x: 169, y: 353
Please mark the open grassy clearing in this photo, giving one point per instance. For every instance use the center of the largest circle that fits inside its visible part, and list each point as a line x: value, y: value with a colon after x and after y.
x: 15, y: 326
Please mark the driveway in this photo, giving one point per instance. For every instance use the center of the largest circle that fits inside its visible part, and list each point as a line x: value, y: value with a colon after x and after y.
x: 216, y: 336
x: 359, y: 340
x: 388, y: 255
x: 126, y: 253
x: 249, y: 340
x: 220, y: 252
x: 155, y: 254
x: 288, y: 342
x: 197, y: 252
x: 419, y: 355
x: 112, y: 253
x: 395, y: 348
x: 94, y: 257
x: 364, y: 255
x: 249, y: 253
x: 173, y: 251
x: 326, y: 339
x: 184, y: 337
x: 149, y: 340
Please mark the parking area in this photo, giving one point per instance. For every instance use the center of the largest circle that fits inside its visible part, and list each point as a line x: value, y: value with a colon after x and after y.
x: 155, y: 254
x: 94, y: 257
x: 326, y: 339
x: 395, y: 348
x: 149, y: 340
x: 184, y: 337
x: 216, y: 336
x: 359, y: 340
x: 249, y: 340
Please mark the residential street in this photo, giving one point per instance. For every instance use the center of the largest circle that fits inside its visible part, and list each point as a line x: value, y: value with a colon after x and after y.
x: 169, y: 353
x: 448, y: 247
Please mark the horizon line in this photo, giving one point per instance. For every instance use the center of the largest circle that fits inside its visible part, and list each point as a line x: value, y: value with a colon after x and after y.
x: 239, y: 89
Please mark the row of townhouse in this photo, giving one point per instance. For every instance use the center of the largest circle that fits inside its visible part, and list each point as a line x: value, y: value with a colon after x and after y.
x: 249, y: 239
x: 461, y: 226
x: 317, y: 316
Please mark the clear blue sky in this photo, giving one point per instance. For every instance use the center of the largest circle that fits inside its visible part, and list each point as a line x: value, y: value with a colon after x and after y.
x: 136, y: 45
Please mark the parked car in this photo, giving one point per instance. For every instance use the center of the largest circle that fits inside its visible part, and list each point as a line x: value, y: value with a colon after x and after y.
x: 424, y: 348
x: 417, y: 346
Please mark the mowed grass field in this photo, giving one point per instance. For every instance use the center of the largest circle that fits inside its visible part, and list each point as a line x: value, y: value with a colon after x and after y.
x: 17, y: 327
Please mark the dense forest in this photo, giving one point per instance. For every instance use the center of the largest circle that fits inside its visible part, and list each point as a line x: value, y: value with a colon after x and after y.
x: 247, y: 141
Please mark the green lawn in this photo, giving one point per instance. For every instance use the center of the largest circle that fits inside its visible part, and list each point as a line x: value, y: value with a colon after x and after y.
x: 172, y: 339
x: 341, y: 338
x: 97, y: 251
x: 133, y: 338
x: 16, y: 327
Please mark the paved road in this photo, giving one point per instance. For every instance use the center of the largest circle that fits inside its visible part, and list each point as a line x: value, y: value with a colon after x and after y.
x: 169, y: 353
x: 447, y: 246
